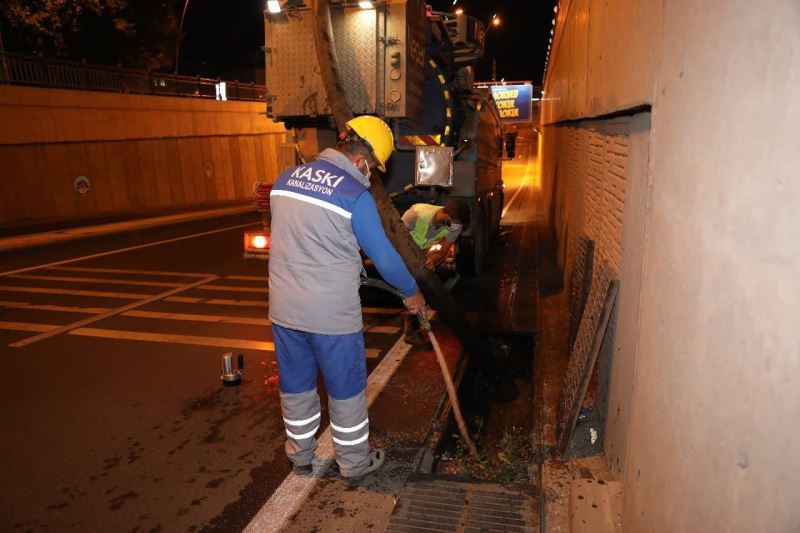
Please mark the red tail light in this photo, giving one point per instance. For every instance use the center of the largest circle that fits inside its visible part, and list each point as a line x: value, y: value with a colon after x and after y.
x: 256, y: 241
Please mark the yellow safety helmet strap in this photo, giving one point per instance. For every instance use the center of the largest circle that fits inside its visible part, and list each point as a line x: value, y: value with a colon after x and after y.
x: 352, y: 136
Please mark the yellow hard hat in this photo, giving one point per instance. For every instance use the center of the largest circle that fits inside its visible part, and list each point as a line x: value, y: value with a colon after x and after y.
x: 376, y: 134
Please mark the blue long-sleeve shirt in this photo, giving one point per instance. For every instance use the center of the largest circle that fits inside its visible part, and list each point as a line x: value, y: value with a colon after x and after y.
x: 369, y: 232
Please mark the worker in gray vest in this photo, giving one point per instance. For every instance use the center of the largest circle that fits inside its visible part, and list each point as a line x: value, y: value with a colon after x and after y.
x: 322, y: 215
x: 434, y: 229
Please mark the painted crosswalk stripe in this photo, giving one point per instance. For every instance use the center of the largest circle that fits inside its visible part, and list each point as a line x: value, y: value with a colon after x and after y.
x: 97, y: 280
x: 59, y: 308
x: 75, y: 292
x: 387, y: 330
x: 174, y: 339
x: 248, y: 278
x: 24, y: 326
x: 264, y: 303
x: 217, y: 301
x: 129, y: 271
x: 189, y: 317
x: 199, y: 318
x: 234, y: 288
x: 184, y: 299
x: 110, y: 313
x: 381, y: 310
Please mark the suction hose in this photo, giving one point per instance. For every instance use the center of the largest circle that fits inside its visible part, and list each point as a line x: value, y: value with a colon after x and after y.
x: 448, y: 380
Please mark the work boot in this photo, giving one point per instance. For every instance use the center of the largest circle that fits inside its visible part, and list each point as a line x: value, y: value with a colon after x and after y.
x: 302, y: 470
x: 377, y: 457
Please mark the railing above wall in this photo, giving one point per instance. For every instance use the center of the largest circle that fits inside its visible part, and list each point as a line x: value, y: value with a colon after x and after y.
x: 19, y: 69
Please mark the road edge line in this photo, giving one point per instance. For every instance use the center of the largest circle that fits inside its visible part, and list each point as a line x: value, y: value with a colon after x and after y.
x: 294, y: 490
x: 122, y: 250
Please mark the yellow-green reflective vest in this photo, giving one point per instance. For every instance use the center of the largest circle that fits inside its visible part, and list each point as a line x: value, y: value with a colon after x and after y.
x: 425, y: 214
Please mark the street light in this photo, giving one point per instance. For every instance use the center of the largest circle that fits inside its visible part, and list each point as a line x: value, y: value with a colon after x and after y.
x: 180, y: 34
x: 494, y: 21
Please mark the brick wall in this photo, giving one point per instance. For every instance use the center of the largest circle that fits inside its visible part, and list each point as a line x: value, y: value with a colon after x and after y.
x: 601, y: 191
x: 590, y: 190
x: 589, y: 181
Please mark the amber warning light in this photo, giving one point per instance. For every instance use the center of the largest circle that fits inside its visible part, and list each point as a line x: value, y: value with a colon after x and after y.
x: 256, y: 244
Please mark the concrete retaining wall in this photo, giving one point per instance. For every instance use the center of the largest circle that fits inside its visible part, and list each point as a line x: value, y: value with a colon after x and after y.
x: 138, y: 152
x: 707, y: 351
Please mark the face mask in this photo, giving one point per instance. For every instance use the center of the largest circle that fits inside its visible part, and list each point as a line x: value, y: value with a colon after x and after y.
x: 450, y: 225
x: 369, y: 172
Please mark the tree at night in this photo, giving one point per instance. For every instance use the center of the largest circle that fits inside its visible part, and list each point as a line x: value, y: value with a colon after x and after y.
x: 129, y: 33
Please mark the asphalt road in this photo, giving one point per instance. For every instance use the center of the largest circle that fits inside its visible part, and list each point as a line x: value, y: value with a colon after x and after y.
x: 114, y: 416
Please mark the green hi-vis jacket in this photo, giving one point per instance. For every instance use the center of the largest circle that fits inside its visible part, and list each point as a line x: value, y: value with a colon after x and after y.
x: 424, y: 214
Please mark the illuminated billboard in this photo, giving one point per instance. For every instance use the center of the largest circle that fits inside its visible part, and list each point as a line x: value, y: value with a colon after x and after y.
x: 513, y: 102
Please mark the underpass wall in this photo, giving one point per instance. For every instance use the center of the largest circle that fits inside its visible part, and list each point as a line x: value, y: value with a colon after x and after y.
x: 706, y: 351
x: 139, y: 152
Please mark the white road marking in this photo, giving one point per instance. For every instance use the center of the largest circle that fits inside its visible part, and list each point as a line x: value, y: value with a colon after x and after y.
x: 216, y: 301
x: 55, y: 238
x: 25, y: 326
x: 385, y: 330
x: 240, y: 303
x: 61, y: 308
x: 234, y: 288
x: 248, y: 278
x: 128, y: 271
x: 199, y: 318
x: 388, y: 330
x: 174, y: 339
x: 84, y: 322
x: 264, y: 303
x: 184, y: 299
x: 382, y: 310
x: 75, y: 292
x: 97, y: 280
x: 294, y: 490
x: 519, y: 189
x: 121, y: 250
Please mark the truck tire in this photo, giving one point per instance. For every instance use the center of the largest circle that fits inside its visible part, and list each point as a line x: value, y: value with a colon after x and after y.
x: 472, y: 250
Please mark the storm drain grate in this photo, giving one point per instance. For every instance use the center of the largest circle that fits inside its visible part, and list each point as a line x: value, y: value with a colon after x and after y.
x: 436, y: 505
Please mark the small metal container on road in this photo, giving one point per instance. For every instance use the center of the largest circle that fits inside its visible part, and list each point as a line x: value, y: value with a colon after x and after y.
x: 231, y: 377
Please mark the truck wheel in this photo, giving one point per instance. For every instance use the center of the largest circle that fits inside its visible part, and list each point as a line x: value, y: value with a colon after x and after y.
x: 472, y: 250
x: 465, y: 260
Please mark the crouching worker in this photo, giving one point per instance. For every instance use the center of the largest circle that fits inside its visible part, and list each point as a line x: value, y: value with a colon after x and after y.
x: 430, y: 225
x: 322, y: 215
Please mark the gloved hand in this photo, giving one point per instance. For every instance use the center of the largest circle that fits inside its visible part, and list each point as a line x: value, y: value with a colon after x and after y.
x: 416, y: 304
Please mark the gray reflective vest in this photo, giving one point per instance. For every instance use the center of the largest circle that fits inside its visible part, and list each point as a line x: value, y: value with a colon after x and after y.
x: 314, y: 263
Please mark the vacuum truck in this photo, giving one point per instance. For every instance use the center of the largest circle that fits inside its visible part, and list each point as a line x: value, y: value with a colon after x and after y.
x: 412, y: 67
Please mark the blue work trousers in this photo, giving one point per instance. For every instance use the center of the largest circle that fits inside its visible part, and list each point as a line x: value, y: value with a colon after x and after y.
x: 341, y: 359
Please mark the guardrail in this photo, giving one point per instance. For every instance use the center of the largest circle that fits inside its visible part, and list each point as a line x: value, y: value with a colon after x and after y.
x: 20, y: 69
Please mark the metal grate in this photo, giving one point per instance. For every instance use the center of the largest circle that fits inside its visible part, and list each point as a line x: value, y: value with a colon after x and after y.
x: 427, y: 504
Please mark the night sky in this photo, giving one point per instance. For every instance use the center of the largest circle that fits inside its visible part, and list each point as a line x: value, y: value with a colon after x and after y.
x: 220, y: 39
x: 519, y: 44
